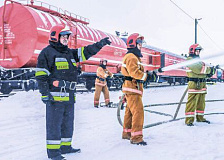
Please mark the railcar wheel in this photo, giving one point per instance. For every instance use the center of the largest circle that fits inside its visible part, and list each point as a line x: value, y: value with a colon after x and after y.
x: 6, y: 88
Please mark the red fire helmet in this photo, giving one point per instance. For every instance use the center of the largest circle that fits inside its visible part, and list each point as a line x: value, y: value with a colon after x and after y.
x: 58, y: 29
x: 133, y: 39
x: 194, y: 47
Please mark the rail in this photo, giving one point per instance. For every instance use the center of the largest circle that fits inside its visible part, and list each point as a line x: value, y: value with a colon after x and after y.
x: 43, y: 6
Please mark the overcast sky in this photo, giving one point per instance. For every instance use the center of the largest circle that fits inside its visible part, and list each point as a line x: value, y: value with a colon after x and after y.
x: 161, y: 23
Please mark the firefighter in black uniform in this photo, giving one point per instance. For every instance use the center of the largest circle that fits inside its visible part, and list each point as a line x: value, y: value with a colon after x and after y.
x: 56, y: 74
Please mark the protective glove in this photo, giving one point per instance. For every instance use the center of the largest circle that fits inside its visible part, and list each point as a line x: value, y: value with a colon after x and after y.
x: 213, y: 70
x: 217, y: 67
x: 104, y: 42
x: 47, y: 98
x: 151, y: 76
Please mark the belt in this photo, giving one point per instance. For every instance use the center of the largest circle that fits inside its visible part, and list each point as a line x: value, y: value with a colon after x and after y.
x: 130, y: 79
x: 197, y: 79
x: 101, y: 79
x: 67, y: 84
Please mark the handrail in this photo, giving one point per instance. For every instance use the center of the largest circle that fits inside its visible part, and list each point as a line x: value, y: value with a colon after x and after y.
x: 43, y: 6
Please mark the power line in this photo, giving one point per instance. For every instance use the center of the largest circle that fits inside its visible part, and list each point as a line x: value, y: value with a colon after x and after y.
x: 182, y: 10
x: 210, y: 38
x: 198, y: 24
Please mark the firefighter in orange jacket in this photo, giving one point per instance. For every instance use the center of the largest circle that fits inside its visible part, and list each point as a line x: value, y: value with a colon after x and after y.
x: 101, y: 84
x: 134, y: 77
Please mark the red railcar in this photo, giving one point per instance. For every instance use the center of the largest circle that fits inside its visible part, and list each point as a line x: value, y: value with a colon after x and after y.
x: 24, y: 31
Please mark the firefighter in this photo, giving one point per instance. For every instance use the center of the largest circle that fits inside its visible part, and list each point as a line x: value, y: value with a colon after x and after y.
x: 101, y: 84
x: 134, y: 77
x: 197, y: 74
x: 56, y: 74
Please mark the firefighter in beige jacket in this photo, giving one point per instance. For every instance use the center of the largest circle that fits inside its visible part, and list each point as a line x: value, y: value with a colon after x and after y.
x: 134, y: 77
x: 101, y: 83
x: 197, y: 74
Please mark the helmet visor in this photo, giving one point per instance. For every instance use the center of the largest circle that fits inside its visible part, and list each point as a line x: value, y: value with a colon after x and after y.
x: 139, y: 41
x: 65, y: 33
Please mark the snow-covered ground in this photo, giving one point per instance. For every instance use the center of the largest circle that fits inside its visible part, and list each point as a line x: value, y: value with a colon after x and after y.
x: 98, y: 133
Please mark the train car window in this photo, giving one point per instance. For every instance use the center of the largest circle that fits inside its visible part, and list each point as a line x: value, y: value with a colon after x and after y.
x: 162, y: 60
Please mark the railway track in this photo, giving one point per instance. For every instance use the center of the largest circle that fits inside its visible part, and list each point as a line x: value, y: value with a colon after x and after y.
x: 6, y: 95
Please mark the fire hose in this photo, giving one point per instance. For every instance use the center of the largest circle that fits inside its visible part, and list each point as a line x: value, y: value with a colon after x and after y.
x: 122, y: 104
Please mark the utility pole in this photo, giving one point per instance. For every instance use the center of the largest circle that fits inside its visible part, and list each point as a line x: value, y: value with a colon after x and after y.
x: 196, y: 23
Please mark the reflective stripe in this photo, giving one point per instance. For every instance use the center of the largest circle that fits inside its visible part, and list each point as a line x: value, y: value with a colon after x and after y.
x: 144, y: 76
x: 203, y: 90
x: 41, y: 70
x: 60, y: 96
x: 100, y: 84
x: 136, y: 133
x: 61, y: 60
x: 66, y: 141
x: 199, y: 112
x: 96, y: 102
x: 73, y: 62
x: 53, y: 146
x: 81, y: 54
x: 189, y: 114
x: 40, y: 73
x: 203, y: 69
x: 132, y: 90
x: 53, y: 142
x: 107, y: 100
x: 126, y: 130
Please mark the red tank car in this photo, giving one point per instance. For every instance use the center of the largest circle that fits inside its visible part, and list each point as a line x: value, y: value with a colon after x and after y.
x: 26, y: 31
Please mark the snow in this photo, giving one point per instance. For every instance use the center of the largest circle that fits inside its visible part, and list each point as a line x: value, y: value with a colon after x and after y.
x: 98, y: 133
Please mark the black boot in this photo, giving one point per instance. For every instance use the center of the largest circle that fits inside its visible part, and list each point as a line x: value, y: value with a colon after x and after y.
x: 59, y: 158
x: 142, y: 143
x: 70, y: 150
x: 190, y: 124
